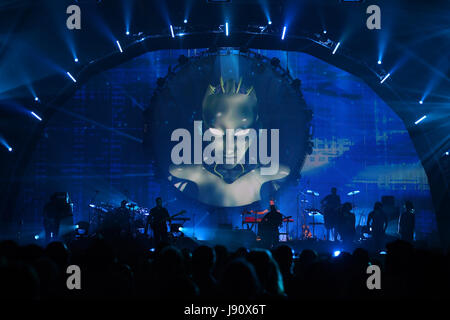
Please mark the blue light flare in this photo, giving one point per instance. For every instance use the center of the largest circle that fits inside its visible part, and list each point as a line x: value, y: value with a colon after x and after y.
x: 71, y: 77
x: 284, y: 33
x: 36, y: 116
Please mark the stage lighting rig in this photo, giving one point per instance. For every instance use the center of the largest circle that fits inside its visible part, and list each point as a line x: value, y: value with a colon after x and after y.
x: 258, y: 28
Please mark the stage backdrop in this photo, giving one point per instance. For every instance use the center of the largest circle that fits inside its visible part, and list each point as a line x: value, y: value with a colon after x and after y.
x: 93, y: 148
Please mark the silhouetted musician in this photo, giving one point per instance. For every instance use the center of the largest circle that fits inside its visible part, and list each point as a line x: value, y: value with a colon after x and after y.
x: 157, y: 219
x: 269, y: 226
x: 331, y: 205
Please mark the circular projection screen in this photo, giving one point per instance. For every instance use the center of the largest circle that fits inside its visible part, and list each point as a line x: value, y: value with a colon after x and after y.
x: 227, y: 128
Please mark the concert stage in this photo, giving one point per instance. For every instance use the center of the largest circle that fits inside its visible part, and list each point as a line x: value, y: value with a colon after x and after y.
x: 319, y: 125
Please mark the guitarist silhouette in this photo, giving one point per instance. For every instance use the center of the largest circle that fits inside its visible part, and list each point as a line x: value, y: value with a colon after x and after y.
x: 157, y: 219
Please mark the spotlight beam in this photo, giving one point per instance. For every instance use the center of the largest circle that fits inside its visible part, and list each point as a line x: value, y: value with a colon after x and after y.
x: 71, y: 77
x: 420, y: 120
x: 119, y: 46
x: 36, y: 116
x: 171, y: 31
x: 336, y: 47
x: 78, y: 116
x: 385, y: 78
x: 284, y: 33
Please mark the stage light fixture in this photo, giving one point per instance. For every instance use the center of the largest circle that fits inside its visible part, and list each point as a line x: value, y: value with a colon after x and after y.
x: 6, y: 145
x: 76, y: 59
x: 36, y: 99
x: 380, y: 62
x: 119, y: 46
x: 324, y: 31
x: 36, y: 237
x: 269, y: 22
x: 127, y: 33
x: 226, y: 29
x: 36, y: 116
x: 336, y: 253
x: 420, y: 120
x: 71, y: 76
x: 284, y: 33
x: 336, y: 47
x: 185, y: 21
x: 421, y: 102
x: 171, y: 31
x: 385, y: 78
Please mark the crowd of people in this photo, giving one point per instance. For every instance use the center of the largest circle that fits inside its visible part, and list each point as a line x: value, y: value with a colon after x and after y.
x: 120, y: 265
x: 127, y: 269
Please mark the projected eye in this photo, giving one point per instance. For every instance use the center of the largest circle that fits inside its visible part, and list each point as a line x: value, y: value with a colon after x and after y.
x: 216, y: 132
x: 242, y: 132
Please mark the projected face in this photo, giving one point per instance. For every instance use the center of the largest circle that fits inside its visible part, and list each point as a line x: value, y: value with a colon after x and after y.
x: 230, y: 107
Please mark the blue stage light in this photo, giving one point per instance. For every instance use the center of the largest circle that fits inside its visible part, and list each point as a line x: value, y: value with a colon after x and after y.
x: 420, y: 120
x: 336, y: 47
x: 36, y: 237
x: 36, y: 116
x: 380, y: 62
x: 36, y: 99
x: 171, y: 31
x: 324, y: 31
x: 127, y: 33
x: 421, y: 101
x: 71, y: 76
x: 284, y: 33
x: 185, y: 21
x: 336, y: 253
x: 385, y: 78
x: 6, y: 145
x: 226, y: 29
x: 119, y: 46
x: 76, y: 59
x: 270, y: 22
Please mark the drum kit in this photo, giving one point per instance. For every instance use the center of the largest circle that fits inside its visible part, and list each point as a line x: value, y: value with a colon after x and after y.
x: 308, y: 215
x: 104, y: 215
x: 311, y: 217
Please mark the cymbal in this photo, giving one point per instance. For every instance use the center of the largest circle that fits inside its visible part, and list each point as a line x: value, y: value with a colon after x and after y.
x: 313, y: 211
x: 314, y: 193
